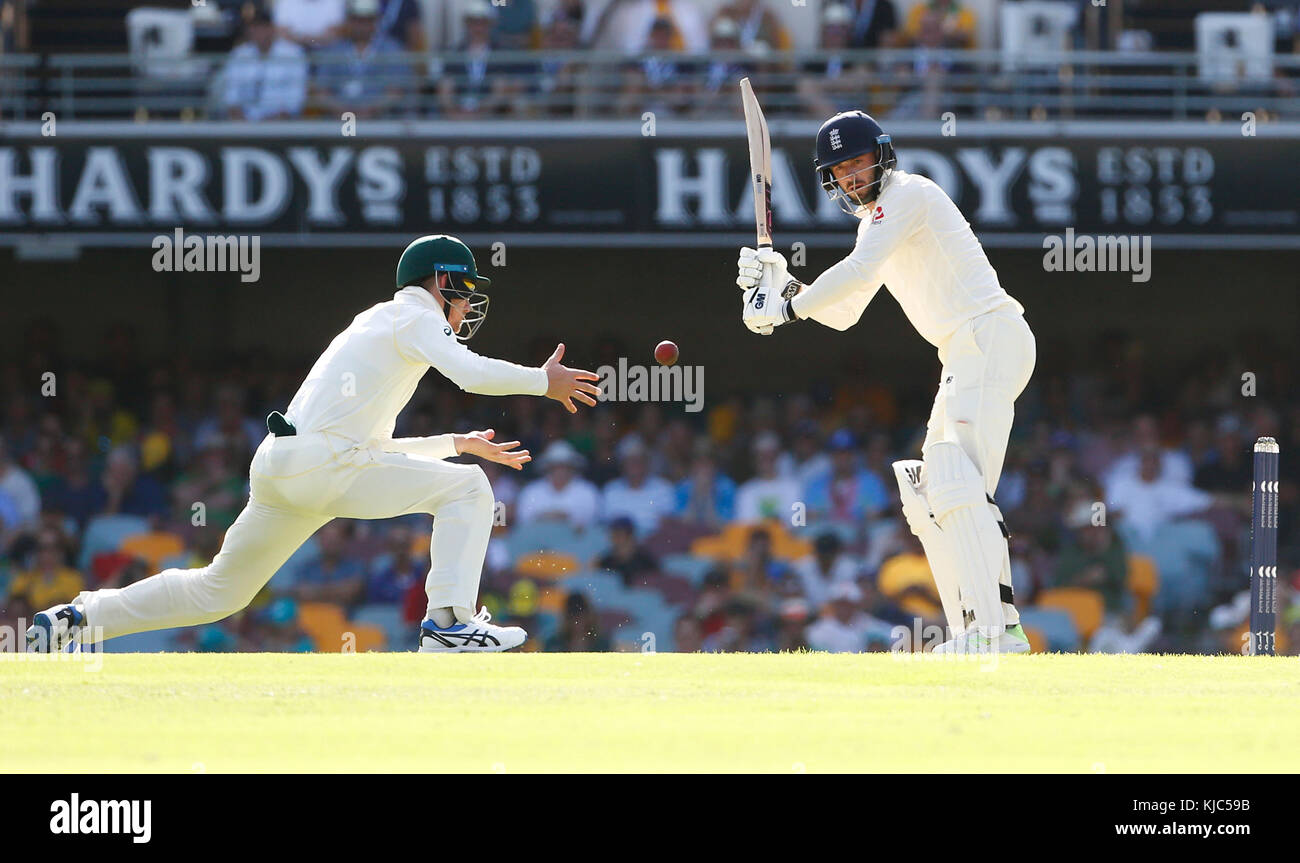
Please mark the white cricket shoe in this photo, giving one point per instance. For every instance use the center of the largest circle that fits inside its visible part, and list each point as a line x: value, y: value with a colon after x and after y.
x: 479, y: 635
x: 55, y: 628
x: 1012, y: 640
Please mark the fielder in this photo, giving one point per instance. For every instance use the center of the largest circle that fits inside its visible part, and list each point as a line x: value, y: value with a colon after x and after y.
x: 913, y: 239
x: 333, y: 455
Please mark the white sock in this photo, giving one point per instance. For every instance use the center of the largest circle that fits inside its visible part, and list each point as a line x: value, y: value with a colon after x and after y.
x: 443, y: 617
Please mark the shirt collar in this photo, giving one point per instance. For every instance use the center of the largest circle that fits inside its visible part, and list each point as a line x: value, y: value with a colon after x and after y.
x: 418, y: 295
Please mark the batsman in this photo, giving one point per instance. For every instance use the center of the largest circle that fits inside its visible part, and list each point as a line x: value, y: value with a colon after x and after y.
x: 914, y: 241
x: 332, y: 454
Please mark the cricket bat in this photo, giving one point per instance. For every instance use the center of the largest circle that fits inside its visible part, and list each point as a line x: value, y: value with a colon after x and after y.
x: 760, y: 162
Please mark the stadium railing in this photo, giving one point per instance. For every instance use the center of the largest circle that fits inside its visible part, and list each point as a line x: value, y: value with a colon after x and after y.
x: 990, y: 84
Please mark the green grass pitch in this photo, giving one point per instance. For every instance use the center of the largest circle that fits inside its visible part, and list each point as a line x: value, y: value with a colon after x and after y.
x: 647, y: 712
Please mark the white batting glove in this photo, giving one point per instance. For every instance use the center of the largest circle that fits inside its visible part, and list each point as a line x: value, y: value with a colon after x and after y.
x: 765, y: 306
x: 748, y: 268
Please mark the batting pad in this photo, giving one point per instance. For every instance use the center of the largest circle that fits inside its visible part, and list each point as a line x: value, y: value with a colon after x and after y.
x: 955, y: 490
x: 910, y: 474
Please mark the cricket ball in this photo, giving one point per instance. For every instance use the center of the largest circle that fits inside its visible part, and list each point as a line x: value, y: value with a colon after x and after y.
x: 666, y: 353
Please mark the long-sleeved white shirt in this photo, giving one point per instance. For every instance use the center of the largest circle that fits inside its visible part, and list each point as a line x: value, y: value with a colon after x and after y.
x: 916, y: 242
x: 369, y: 372
x: 266, y: 85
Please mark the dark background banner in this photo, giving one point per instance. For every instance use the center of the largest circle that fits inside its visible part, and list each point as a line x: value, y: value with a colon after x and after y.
x: 570, y: 184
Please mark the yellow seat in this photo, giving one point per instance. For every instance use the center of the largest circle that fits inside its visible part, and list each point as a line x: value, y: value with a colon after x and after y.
x: 1085, y: 607
x: 550, y: 565
x: 368, y: 637
x: 730, y: 545
x: 324, y: 623
x: 1037, y: 640
x: 1143, y: 582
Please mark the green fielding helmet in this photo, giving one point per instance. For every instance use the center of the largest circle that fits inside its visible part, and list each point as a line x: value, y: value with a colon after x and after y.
x: 439, y: 253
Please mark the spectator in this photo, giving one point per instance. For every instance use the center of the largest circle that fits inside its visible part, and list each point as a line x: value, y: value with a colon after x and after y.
x: 950, y: 19
x: 50, y: 579
x: 1174, y: 465
x: 849, y: 494
x: 1152, y: 499
x: 637, y: 495
x: 335, y: 576
x: 266, y: 76
x: 625, y: 556
x: 399, y: 20
x: 826, y: 567
x: 791, y: 625
x: 755, y: 23
x: 17, y: 485
x: 628, y: 26
x: 217, y: 482
x: 759, y: 575
x: 561, y: 495
x: 473, y: 83
x: 516, y: 25
x: 579, y: 630
x: 741, y: 630
x: 125, y: 491
x: 309, y: 22
x: 1094, y: 558
x: 808, y: 461
x: 230, y: 426
x: 766, y: 495
x: 392, y: 575
x: 687, y: 635
x: 655, y: 82
x: 844, y: 628
x: 362, y: 71
x: 833, y: 84
x: 557, y: 84
x: 874, y: 24
x: 722, y: 72
x: 706, y: 497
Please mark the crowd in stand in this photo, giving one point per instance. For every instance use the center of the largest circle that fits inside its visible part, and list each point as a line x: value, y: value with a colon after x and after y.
x: 760, y: 523
x: 373, y: 58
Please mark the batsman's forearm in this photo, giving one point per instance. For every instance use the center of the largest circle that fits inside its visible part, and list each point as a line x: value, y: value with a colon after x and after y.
x: 834, y: 285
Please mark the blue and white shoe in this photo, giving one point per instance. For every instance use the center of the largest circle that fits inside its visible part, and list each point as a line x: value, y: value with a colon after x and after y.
x: 478, y: 635
x: 55, y: 628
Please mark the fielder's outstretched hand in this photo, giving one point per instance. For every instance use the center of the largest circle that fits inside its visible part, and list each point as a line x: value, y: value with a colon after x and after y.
x: 565, y: 384
x: 480, y: 443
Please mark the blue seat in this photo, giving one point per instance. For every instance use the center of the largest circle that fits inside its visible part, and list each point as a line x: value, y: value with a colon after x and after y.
x: 1187, y: 555
x: 106, y: 533
x: 602, y: 588
x: 387, y: 617
x: 556, y: 536
x: 158, y: 641
x: 1055, y: 624
x: 688, y: 566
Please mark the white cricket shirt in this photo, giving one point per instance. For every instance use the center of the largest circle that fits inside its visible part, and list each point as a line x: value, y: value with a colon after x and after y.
x: 370, y: 371
x: 917, y: 243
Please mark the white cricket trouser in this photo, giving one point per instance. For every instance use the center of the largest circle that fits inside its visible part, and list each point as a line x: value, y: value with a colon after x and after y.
x: 298, y: 484
x: 987, y: 363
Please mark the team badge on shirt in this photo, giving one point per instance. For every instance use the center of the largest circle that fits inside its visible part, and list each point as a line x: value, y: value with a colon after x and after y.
x: 879, y: 216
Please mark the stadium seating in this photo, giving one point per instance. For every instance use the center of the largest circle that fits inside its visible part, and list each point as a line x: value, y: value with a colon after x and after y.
x: 106, y: 533
x: 1085, y: 607
x: 1055, y: 626
x: 555, y: 536
x: 1143, y: 583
